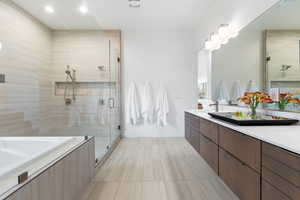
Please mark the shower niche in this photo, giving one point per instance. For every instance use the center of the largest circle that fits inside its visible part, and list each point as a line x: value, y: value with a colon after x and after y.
x: 83, y: 88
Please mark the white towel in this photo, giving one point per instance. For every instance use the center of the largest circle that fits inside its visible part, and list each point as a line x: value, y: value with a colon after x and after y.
x: 147, y: 103
x: 236, y: 92
x: 251, y: 87
x: 133, y: 105
x: 162, y: 107
x: 223, y: 95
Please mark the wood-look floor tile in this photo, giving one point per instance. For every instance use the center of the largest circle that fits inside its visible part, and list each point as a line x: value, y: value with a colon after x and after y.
x: 157, y: 169
x: 178, y: 191
x: 104, y: 191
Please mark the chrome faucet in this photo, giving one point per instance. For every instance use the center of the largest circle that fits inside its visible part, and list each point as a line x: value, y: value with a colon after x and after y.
x: 216, y: 104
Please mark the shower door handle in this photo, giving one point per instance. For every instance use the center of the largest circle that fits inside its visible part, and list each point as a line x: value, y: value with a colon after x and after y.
x: 111, y: 103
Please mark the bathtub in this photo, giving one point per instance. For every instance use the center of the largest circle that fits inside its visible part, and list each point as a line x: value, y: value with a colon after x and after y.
x: 29, y: 154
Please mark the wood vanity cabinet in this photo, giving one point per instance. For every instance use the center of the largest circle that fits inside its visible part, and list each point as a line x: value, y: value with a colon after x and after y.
x: 209, y: 130
x: 195, y: 139
x: 240, y: 178
x: 192, y: 130
x: 245, y: 148
x: 187, y: 126
x: 280, y: 173
x: 254, y: 170
x: 210, y: 152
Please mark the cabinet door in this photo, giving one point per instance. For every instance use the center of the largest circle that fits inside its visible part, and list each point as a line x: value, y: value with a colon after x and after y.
x: 187, y: 127
x: 242, y: 180
x: 195, y: 139
x: 243, y: 147
x: 281, y: 183
x: 209, y: 151
x: 210, y: 130
x: 282, y: 162
x: 271, y: 193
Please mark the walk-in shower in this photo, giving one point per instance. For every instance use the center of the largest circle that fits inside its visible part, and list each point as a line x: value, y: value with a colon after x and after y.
x: 87, y: 91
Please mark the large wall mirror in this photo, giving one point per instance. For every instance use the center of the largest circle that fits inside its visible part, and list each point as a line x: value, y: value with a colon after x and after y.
x: 264, y: 57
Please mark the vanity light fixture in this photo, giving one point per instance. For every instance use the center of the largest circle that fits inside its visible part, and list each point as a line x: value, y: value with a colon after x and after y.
x: 49, y: 9
x: 1, y: 46
x: 83, y: 9
x: 221, y: 37
x: 134, y: 3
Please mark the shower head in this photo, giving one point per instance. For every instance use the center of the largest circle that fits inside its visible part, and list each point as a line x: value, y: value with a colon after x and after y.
x: 68, y: 72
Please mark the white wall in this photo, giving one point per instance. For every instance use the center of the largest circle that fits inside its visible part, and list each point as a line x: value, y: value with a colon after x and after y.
x: 165, y: 57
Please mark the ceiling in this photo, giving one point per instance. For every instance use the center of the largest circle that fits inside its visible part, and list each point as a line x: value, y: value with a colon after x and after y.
x: 116, y: 14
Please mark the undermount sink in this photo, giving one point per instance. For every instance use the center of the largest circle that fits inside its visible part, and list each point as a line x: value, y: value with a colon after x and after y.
x: 246, y: 120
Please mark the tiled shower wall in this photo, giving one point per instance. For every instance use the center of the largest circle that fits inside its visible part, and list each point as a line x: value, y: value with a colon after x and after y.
x: 25, y: 60
x: 34, y: 58
x: 84, y: 51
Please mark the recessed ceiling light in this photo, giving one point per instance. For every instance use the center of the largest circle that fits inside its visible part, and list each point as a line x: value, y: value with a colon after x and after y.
x: 83, y: 9
x: 49, y: 9
x: 134, y: 3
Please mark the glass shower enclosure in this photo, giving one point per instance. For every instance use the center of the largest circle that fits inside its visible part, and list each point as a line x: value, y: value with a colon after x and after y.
x: 87, y: 89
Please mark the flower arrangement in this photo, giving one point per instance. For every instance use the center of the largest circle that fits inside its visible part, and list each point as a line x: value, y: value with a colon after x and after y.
x: 253, y: 99
x: 285, y: 99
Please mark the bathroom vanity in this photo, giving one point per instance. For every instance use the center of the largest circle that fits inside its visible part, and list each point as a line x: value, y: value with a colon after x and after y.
x: 257, y: 163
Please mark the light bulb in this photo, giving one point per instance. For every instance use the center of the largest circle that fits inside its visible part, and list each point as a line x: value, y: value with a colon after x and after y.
x: 83, y: 9
x: 208, y: 45
x: 49, y: 9
x: 224, y: 30
x: 215, y: 37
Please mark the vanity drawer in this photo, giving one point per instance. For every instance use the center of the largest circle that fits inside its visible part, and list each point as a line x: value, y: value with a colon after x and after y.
x: 209, y: 129
x: 268, y: 192
x: 276, y: 153
x: 210, y: 152
x: 245, y: 148
x: 195, y: 139
x: 195, y: 122
x: 283, y: 185
x: 187, y: 129
x: 242, y: 180
x: 282, y: 169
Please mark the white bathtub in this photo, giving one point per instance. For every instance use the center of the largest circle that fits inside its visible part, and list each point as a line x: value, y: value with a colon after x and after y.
x: 20, y: 154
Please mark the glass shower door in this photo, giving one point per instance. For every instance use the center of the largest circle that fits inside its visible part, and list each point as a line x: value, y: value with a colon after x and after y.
x: 115, y: 104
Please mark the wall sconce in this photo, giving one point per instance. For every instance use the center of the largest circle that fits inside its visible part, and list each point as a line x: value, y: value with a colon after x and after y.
x: 221, y: 37
x: 1, y: 46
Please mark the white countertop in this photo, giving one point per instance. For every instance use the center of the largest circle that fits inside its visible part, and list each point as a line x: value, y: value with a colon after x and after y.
x: 286, y: 137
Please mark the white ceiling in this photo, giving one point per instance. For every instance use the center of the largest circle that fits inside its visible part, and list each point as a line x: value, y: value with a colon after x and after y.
x: 116, y: 14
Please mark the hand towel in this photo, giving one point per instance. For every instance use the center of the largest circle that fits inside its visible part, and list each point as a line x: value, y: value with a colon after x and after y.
x: 147, y: 103
x: 251, y: 87
x: 236, y: 92
x: 222, y: 95
x: 133, y: 105
x: 162, y: 107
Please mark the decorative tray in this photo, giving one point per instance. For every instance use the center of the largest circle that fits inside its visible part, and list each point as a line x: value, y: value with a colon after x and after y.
x: 244, y: 119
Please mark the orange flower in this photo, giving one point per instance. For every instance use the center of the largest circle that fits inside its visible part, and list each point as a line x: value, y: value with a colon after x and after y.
x: 249, y: 94
x: 266, y: 100
x: 294, y: 101
x: 255, y: 98
x: 286, y: 95
x: 245, y: 100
